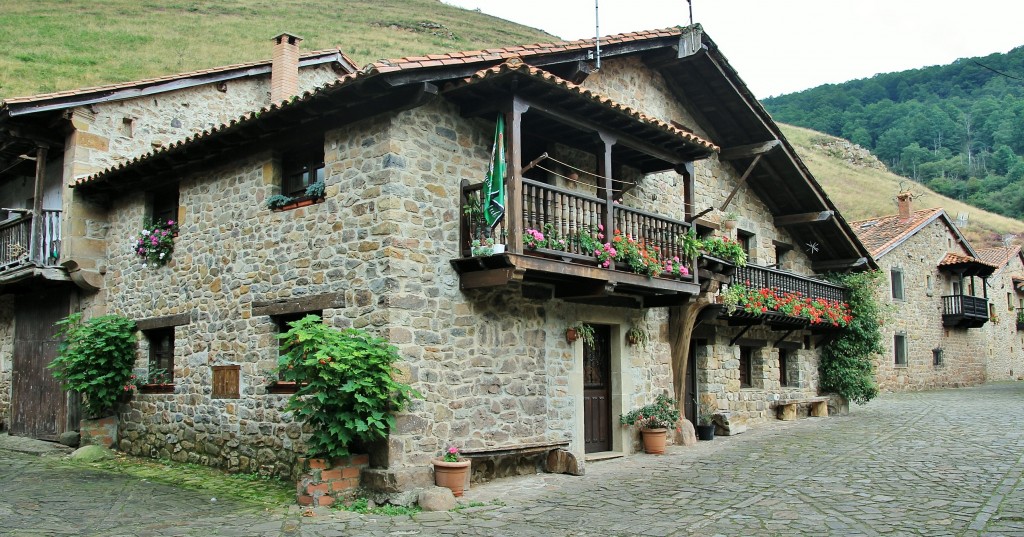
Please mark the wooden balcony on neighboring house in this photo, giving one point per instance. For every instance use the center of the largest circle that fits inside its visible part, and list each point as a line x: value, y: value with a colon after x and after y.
x: 29, y: 243
x: 964, y: 311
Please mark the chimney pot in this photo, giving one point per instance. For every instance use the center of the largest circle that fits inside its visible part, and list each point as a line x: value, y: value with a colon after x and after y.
x: 284, y: 67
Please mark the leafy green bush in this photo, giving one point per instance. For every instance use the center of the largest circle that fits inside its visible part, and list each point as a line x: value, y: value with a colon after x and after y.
x: 663, y: 413
x: 846, y: 363
x: 95, y: 359
x: 347, y: 384
x: 725, y: 248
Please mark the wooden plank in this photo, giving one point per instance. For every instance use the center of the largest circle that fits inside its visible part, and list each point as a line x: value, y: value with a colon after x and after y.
x: 838, y: 264
x: 164, y: 321
x: 514, y: 175
x: 226, y: 381
x: 39, y: 406
x: 38, y: 224
x: 584, y: 290
x: 486, y: 278
x: 747, y: 151
x: 299, y: 305
x: 740, y: 183
x: 803, y: 218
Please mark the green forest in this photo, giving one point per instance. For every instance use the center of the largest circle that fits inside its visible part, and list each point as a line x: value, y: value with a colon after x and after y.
x: 956, y: 128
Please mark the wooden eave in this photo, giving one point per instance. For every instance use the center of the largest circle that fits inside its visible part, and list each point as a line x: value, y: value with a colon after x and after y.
x: 710, y: 88
x: 572, y: 282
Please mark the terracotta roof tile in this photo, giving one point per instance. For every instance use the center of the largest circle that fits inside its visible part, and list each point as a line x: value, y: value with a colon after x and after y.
x: 956, y: 259
x: 998, y: 256
x: 150, y: 81
x: 880, y: 234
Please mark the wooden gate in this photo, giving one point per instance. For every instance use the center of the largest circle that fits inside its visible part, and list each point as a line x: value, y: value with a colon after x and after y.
x: 38, y: 404
x: 597, y: 390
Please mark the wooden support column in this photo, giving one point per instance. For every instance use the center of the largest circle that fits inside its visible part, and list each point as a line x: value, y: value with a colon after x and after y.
x: 689, y: 189
x: 514, y: 176
x: 38, y: 225
x: 605, y: 170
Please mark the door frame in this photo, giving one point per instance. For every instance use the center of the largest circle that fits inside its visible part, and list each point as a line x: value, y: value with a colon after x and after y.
x: 621, y: 385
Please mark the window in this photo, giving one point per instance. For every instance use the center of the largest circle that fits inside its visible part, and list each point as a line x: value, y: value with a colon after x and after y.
x: 900, y: 349
x: 161, y: 355
x: 746, y: 240
x: 281, y: 322
x: 163, y: 205
x: 299, y: 169
x: 746, y: 366
x: 897, y: 283
x: 784, y: 367
x: 937, y: 357
x: 1009, y: 301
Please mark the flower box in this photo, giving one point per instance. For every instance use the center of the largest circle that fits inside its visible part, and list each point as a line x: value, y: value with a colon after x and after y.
x: 304, y: 201
x: 283, y: 386
x: 156, y: 388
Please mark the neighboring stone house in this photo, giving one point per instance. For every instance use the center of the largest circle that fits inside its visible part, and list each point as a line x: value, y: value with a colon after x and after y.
x: 937, y: 291
x: 664, y: 134
x: 53, y: 246
x: 1006, y: 309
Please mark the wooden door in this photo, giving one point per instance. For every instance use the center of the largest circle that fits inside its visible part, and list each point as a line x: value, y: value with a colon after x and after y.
x: 597, y: 392
x: 38, y: 404
x: 690, y: 402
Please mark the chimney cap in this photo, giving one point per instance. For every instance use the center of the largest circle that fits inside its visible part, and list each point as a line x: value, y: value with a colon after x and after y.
x: 292, y: 38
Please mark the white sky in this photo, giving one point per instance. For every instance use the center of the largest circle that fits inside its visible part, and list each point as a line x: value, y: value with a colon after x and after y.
x: 782, y: 46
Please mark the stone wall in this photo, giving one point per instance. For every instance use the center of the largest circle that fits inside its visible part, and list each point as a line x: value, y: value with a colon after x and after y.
x: 919, y: 317
x: 6, y: 357
x: 1005, y: 359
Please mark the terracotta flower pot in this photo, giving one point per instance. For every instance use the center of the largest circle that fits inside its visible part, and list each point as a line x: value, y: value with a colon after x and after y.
x: 571, y: 335
x: 451, y: 475
x: 654, y: 440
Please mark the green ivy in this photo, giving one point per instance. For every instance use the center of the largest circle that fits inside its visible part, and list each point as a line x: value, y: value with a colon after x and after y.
x: 846, y: 365
x: 348, y: 389
x: 95, y: 359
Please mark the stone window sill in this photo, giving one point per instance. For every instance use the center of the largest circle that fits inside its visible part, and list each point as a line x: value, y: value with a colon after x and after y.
x: 156, y: 388
x: 282, y: 386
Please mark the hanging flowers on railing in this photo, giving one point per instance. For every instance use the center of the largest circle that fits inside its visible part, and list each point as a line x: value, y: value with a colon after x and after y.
x: 155, y: 243
x: 819, y: 311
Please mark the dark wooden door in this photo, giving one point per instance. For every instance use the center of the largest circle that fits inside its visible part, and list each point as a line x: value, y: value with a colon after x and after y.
x: 38, y: 404
x: 597, y: 392
x: 690, y: 402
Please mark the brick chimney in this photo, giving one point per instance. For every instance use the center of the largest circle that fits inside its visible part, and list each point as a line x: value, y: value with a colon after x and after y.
x: 903, y: 202
x: 284, y: 71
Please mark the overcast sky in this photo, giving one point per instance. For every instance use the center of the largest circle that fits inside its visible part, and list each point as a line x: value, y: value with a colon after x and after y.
x: 782, y: 46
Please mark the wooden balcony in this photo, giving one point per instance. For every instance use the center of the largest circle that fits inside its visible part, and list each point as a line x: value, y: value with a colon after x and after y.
x: 964, y: 311
x: 561, y: 268
x: 783, y: 282
x: 17, y: 247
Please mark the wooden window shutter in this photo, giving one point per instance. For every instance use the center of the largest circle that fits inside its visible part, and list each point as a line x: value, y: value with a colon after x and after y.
x: 226, y: 380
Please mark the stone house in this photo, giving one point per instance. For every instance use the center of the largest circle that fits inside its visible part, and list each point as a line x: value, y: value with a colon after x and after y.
x: 53, y: 246
x: 1005, y: 360
x: 662, y: 139
x: 937, y: 291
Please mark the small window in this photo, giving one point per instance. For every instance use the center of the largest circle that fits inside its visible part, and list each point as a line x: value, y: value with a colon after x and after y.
x: 956, y: 287
x: 746, y: 366
x: 784, y: 367
x: 746, y: 240
x: 282, y: 321
x: 937, y: 357
x: 164, y: 204
x: 299, y: 169
x: 161, y: 355
x: 897, y: 284
x: 1009, y: 301
x: 900, y: 349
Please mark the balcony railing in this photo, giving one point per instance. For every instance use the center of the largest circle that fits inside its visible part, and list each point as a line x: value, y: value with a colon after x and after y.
x: 16, y: 245
x: 964, y: 311
x: 562, y: 215
x: 767, y: 278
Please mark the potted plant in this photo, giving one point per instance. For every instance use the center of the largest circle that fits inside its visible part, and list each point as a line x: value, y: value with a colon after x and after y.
x: 483, y: 247
x: 705, y: 424
x: 730, y: 220
x: 725, y: 249
x: 156, y: 380
x: 654, y: 421
x: 580, y: 331
x: 451, y: 471
x: 636, y: 335
x: 155, y: 243
x: 277, y: 202
x: 315, y: 191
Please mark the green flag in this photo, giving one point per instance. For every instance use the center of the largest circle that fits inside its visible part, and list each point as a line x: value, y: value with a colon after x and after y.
x: 494, y: 183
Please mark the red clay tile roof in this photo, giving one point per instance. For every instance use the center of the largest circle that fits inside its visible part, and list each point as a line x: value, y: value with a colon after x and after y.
x: 998, y: 256
x: 880, y: 235
x: 157, y: 80
x: 517, y: 65
x: 959, y: 259
x: 520, y: 51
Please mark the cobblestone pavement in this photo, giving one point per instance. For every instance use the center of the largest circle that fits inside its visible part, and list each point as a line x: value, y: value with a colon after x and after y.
x: 944, y: 462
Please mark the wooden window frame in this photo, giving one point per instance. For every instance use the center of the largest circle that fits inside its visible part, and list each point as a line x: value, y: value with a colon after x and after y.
x: 281, y: 326
x: 160, y: 358
x: 938, y: 360
x: 783, y: 367
x: 901, y: 350
x: 301, y: 167
x: 164, y: 203
x: 746, y: 367
x: 901, y: 287
x: 746, y: 239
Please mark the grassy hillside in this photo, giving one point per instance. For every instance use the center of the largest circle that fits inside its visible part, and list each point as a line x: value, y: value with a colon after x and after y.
x: 50, y: 45
x: 863, y: 192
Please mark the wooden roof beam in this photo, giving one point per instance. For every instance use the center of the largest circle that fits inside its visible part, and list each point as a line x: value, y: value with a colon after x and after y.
x: 804, y: 218
x: 839, y: 264
x: 747, y: 151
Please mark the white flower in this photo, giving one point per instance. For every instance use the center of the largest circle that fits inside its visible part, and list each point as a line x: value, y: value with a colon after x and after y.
x: 161, y: 255
x: 145, y: 232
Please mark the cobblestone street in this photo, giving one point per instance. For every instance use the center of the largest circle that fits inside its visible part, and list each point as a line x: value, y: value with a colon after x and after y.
x: 934, y: 463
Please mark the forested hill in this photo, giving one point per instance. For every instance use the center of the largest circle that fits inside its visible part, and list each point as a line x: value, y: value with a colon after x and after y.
x: 956, y: 128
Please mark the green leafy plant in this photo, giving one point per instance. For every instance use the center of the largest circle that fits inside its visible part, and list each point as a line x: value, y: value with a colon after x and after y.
x: 636, y: 335
x: 315, y: 190
x: 583, y: 331
x: 95, y: 359
x: 277, y: 201
x: 451, y: 454
x: 727, y: 249
x: 155, y: 243
x: 846, y: 365
x: 347, y: 388
x: 663, y: 413
x: 819, y: 311
x: 706, y: 413
x: 690, y: 245
x: 482, y: 247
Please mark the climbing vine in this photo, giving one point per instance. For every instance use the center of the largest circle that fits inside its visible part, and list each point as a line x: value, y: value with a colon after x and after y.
x: 846, y: 366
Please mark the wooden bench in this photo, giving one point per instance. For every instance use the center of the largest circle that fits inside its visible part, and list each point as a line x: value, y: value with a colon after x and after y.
x: 502, y: 461
x: 786, y: 408
x: 520, y: 449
